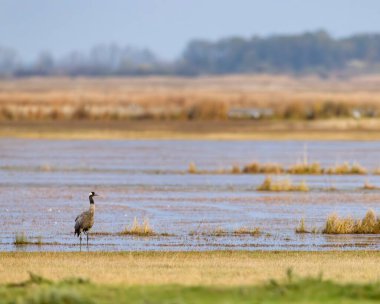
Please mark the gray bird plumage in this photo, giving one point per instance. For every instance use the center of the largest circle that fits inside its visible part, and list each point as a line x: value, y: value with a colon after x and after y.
x: 85, y: 220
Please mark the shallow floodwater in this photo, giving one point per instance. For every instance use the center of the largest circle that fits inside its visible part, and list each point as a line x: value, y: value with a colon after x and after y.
x: 44, y: 184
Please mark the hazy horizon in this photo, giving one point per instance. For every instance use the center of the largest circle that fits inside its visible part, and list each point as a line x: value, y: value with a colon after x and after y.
x: 165, y: 26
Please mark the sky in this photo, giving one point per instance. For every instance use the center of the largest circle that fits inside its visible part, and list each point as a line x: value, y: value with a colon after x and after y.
x: 166, y: 26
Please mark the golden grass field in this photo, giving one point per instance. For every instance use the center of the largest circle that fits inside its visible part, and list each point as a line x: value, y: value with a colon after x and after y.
x: 191, y: 108
x: 218, y: 268
x: 175, y: 98
x: 202, y: 130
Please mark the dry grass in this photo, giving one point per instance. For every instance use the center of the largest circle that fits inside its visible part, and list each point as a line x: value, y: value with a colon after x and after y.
x: 217, y: 268
x: 235, y: 169
x: 376, y: 171
x: 218, y: 232
x: 269, y: 168
x: 305, y: 168
x: 221, y: 232
x: 202, y: 98
x: 346, y: 168
x: 192, y: 168
x: 284, y: 184
x: 247, y: 231
x: 301, y: 228
x: 370, y: 224
x: 138, y: 229
x: 368, y: 186
x: 362, y: 130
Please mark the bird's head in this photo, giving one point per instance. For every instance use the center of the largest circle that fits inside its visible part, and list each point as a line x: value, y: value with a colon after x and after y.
x: 91, y: 194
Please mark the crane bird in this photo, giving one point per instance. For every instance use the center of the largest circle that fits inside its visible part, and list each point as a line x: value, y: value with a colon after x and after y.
x: 85, y: 220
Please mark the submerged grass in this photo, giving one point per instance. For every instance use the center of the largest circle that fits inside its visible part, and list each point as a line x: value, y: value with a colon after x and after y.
x: 247, y: 231
x: 22, y: 239
x: 282, y: 185
x: 219, y: 232
x: 370, y: 224
x: 300, y: 168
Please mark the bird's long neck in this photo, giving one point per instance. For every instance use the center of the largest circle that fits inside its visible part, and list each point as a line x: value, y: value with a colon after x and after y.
x: 92, y: 208
x: 92, y: 204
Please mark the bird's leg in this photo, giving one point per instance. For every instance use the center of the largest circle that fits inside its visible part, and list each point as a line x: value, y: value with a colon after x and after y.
x: 80, y: 241
x: 87, y: 238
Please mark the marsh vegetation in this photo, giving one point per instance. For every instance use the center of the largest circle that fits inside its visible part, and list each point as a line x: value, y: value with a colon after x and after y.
x: 370, y: 224
x: 139, y: 229
x: 282, y: 184
x: 205, y: 98
x: 22, y: 239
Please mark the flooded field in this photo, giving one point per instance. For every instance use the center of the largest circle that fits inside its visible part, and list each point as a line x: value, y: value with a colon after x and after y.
x: 44, y: 184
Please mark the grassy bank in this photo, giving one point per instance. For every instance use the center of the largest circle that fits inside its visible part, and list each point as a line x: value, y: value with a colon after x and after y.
x: 219, y: 268
x: 293, y: 290
x: 213, y: 130
x: 190, y: 277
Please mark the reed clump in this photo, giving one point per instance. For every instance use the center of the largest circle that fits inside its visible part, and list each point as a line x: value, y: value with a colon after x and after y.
x: 192, y: 168
x: 301, y: 228
x: 347, y: 168
x: 305, y: 168
x: 282, y: 185
x: 268, y: 168
x: 137, y: 229
x: 370, y: 224
x: 235, y: 169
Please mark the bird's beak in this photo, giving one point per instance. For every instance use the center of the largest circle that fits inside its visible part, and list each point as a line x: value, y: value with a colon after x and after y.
x: 96, y: 194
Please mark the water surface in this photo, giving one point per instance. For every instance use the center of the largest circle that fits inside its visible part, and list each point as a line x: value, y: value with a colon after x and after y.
x: 44, y: 184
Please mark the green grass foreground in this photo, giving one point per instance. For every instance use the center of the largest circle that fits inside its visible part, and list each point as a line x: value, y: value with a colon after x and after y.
x: 293, y: 290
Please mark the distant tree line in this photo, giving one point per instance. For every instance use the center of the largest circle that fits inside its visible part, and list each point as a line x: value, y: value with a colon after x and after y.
x: 315, y: 52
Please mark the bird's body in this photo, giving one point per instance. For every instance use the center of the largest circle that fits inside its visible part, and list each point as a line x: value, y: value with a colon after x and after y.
x: 85, y: 220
